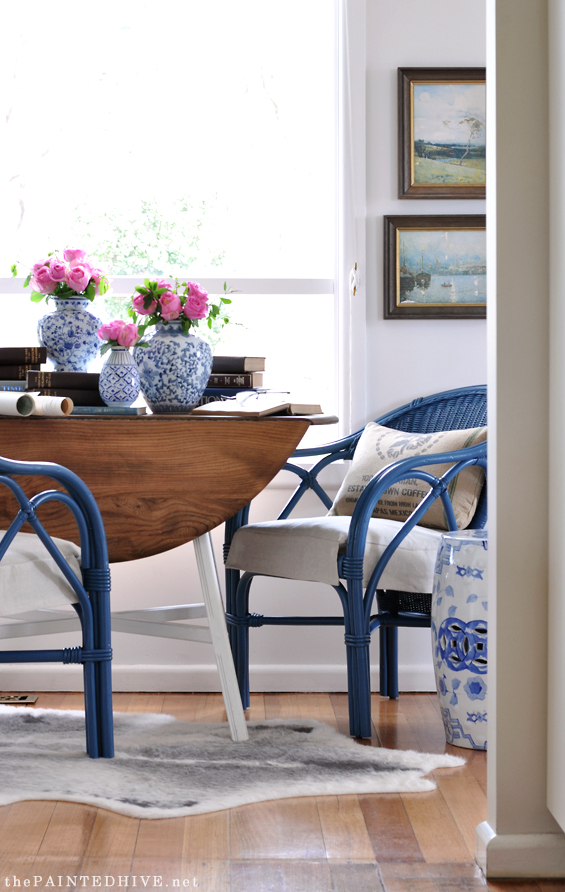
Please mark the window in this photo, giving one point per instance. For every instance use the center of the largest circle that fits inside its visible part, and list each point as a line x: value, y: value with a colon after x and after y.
x: 195, y: 139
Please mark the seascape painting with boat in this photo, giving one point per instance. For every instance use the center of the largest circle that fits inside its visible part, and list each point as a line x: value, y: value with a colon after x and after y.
x: 448, y: 121
x: 441, y: 267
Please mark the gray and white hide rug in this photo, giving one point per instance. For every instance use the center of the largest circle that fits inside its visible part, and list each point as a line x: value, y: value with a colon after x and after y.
x: 165, y: 768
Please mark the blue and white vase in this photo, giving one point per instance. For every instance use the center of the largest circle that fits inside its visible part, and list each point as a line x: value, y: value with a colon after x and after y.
x: 119, y: 378
x: 174, y: 369
x: 70, y: 334
x: 459, y: 636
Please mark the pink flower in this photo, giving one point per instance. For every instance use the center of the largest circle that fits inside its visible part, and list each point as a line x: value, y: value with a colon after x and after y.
x: 139, y: 306
x: 97, y: 275
x: 39, y: 264
x: 193, y: 289
x: 57, y: 269
x: 128, y: 335
x: 170, y: 306
x: 78, y: 276
x: 74, y: 256
x: 196, y: 307
x: 110, y: 331
x: 43, y: 282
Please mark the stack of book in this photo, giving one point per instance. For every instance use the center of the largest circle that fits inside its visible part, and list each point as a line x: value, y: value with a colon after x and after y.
x: 80, y: 387
x: 231, y: 375
x: 15, y: 362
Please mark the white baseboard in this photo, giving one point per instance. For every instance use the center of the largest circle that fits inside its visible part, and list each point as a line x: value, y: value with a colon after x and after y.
x: 197, y: 678
x: 519, y: 856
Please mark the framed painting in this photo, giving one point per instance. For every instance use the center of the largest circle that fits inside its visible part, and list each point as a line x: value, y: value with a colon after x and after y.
x: 435, y: 267
x: 441, y: 132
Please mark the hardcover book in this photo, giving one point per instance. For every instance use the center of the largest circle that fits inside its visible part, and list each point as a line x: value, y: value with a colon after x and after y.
x: 79, y: 397
x: 212, y: 394
x: 76, y: 380
x: 22, y: 356
x: 245, y: 379
x: 238, y: 364
x: 16, y: 372
x: 12, y: 385
x: 109, y: 410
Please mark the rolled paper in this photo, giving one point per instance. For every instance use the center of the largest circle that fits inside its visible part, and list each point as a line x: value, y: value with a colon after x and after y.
x: 51, y: 405
x: 21, y: 404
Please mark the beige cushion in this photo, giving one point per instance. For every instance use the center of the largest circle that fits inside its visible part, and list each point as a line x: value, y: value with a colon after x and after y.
x: 308, y: 548
x: 29, y: 577
x: 380, y: 446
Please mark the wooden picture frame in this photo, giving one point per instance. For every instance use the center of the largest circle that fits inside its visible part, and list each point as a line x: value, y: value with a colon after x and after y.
x: 435, y: 267
x: 441, y: 132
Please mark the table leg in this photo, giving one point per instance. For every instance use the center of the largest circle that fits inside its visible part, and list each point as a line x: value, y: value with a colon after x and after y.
x: 217, y: 622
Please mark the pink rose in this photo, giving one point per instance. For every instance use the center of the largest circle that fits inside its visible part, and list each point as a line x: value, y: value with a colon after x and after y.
x: 128, y: 335
x: 193, y: 289
x: 74, y: 256
x: 196, y: 307
x: 58, y: 270
x: 97, y: 275
x: 170, y: 306
x: 43, y: 282
x: 78, y: 276
x: 39, y: 264
x: 110, y: 331
x: 139, y: 306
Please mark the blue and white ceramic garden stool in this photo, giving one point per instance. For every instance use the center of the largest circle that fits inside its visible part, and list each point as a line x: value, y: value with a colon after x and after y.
x: 459, y: 636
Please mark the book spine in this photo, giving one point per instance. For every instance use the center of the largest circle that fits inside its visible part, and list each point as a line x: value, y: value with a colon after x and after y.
x: 235, y: 365
x: 16, y: 372
x: 77, y: 380
x: 19, y: 386
x: 108, y: 410
x: 246, y: 379
x: 23, y: 355
x: 79, y: 397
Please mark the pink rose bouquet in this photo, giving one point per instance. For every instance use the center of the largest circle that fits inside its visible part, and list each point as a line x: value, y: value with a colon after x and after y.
x: 186, y: 302
x: 71, y: 276
x: 118, y: 334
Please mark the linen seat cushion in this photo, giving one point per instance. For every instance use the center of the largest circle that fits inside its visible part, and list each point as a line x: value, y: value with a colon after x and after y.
x: 308, y: 548
x: 29, y: 577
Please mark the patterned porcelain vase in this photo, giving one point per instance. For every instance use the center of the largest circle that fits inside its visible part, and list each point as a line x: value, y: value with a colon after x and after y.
x: 459, y: 636
x: 174, y: 369
x: 119, y: 378
x: 70, y: 334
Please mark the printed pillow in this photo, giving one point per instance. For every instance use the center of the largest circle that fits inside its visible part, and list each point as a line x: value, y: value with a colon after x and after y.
x: 380, y: 446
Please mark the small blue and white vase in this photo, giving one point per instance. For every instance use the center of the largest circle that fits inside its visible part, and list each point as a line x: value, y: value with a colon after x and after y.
x: 459, y: 636
x: 119, y: 378
x: 174, y: 369
x: 70, y: 334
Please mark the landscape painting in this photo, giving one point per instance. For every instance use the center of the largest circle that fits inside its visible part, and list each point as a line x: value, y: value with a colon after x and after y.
x: 443, y: 134
x: 435, y: 267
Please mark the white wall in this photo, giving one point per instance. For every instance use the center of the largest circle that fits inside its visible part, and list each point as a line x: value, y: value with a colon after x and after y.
x: 406, y: 359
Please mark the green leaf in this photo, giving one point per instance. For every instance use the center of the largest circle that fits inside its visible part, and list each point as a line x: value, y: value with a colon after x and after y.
x: 28, y: 280
x: 103, y: 285
x: 141, y: 289
x: 90, y: 291
x: 105, y: 347
x: 226, y: 300
x: 147, y: 283
x: 36, y: 296
x: 14, y: 270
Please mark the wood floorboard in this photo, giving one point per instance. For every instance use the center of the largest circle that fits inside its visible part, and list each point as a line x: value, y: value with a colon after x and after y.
x: 382, y: 843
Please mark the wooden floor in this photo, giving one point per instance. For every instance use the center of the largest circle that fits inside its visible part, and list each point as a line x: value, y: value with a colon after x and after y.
x: 418, y: 842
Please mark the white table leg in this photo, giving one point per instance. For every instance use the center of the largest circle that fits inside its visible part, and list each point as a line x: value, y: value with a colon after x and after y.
x: 217, y: 622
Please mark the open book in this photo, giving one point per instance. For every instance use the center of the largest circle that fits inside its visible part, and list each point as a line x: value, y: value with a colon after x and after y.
x: 254, y: 405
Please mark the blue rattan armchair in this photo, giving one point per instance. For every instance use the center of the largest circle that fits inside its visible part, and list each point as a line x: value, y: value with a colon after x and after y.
x: 452, y: 410
x: 38, y: 572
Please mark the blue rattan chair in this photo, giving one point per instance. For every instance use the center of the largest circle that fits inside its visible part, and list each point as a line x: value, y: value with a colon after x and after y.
x: 452, y: 410
x: 38, y: 572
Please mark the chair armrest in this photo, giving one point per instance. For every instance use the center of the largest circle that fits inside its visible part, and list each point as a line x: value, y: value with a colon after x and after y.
x: 394, y: 473
x: 85, y: 508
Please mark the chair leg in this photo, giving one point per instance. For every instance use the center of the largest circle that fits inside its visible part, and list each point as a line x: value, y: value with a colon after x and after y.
x: 220, y: 642
x: 391, y: 660
x: 240, y: 640
x: 383, y: 664
x: 357, y: 642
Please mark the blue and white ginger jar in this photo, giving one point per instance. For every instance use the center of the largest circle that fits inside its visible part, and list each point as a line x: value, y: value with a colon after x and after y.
x: 459, y: 636
x: 70, y: 334
x: 174, y: 369
x: 119, y: 378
